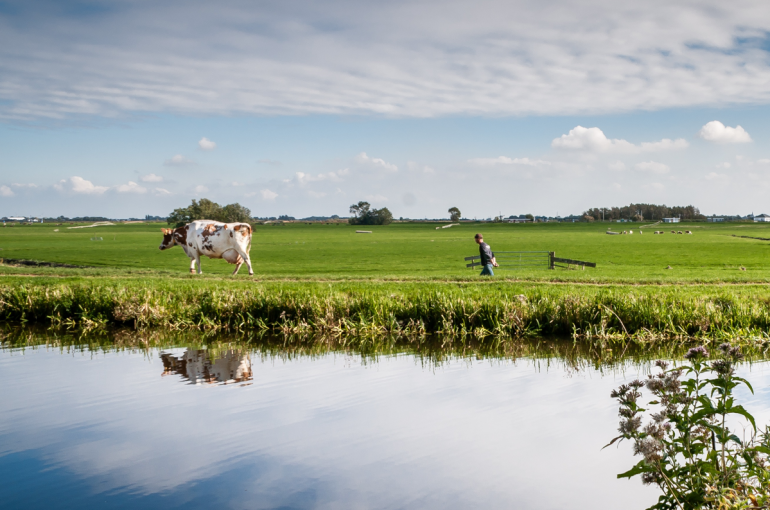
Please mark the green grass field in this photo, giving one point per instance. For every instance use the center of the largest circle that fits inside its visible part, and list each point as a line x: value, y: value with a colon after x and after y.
x: 411, y: 251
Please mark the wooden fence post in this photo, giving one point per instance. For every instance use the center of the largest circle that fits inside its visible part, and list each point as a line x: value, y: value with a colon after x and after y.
x: 551, y: 255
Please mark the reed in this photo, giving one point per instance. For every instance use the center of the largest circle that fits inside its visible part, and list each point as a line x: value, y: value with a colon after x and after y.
x: 709, y: 313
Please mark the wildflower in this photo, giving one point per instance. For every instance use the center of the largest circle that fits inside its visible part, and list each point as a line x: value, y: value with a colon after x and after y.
x: 630, y: 426
x: 697, y: 352
x: 650, y: 448
x: 724, y: 347
x: 661, y: 364
x: 722, y: 367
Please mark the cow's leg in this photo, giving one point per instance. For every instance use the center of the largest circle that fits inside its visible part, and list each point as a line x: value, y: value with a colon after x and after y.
x: 192, y: 264
x: 245, y: 256
x: 198, y: 261
x: 237, y: 267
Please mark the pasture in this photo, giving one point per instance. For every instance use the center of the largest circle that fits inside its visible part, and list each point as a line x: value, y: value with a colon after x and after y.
x: 410, y: 251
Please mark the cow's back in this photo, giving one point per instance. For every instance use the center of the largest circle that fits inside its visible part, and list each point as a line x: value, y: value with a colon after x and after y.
x: 214, y: 238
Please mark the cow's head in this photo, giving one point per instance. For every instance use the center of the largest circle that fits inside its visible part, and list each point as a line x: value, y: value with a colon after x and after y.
x: 169, y: 239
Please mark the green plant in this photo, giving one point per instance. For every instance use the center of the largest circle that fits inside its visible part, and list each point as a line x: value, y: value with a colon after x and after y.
x: 688, y: 449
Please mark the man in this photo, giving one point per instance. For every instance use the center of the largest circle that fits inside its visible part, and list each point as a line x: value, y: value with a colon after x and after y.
x: 487, y: 257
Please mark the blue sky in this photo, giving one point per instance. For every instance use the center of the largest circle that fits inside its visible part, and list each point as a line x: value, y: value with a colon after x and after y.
x: 126, y: 108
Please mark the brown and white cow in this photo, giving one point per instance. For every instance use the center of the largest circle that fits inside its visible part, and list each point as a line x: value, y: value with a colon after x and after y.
x: 216, y: 240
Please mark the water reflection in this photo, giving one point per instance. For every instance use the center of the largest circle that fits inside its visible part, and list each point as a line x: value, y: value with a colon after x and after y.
x: 204, y: 367
x: 378, y: 423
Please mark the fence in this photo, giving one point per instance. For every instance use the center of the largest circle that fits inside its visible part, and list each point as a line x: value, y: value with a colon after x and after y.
x: 529, y: 259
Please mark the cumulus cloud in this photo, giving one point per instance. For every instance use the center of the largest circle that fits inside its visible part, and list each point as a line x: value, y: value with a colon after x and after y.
x: 5, y: 191
x: 206, y: 144
x: 653, y: 167
x: 378, y: 163
x: 504, y: 160
x: 268, y: 195
x: 24, y: 185
x: 130, y: 187
x: 717, y: 132
x: 178, y: 160
x: 151, y: 178
x: 303, y: 178
x: 201, y: 189
x: 161, y: 191
x: 76, y: 184
x: 594, y: 140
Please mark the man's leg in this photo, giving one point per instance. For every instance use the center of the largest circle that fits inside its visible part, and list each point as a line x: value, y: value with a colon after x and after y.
x: 487, y: 271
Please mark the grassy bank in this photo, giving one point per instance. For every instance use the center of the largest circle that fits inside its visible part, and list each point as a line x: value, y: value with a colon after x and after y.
x: 360, y: 308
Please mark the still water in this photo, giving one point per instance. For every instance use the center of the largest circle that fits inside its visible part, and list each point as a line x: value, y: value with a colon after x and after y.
x: 243, y: 428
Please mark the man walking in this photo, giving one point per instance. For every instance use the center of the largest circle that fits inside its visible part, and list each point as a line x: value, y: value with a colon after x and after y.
x: 487, y: 257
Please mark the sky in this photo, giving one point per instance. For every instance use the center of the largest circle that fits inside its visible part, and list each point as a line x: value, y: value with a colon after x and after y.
x: 123, y: 108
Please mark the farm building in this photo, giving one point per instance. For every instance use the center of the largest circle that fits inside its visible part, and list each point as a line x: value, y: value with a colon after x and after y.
x: 715, y: 220
x: 762, y: 217
x: 670, y: 220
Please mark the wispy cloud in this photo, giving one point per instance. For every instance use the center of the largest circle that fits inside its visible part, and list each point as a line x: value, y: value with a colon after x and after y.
x: 178, y: 160
x: 376, y: 163
x: 268, y: 195
x: 5, y: 191
x: 151, y: 178
x: 504, y: 160
x: 130, y: 187
x: 509, y: 58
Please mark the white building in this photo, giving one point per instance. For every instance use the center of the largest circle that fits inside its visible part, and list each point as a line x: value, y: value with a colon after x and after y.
x: 762, y: 217
x: 670, y: 220
x: 715, y: 220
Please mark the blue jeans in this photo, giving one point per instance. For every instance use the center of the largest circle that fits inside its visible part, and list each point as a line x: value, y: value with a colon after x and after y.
x: 487, y: 271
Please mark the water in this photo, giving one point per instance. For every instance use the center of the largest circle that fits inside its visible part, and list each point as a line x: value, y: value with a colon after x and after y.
x: 248, y: 427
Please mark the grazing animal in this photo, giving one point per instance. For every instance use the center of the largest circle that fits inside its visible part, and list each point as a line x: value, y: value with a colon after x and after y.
x: 687, y: 232
x: 679, y: 232
x: 216, y: 240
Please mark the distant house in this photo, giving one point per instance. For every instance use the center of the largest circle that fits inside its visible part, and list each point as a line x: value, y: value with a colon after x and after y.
x: 762, y: 217
x: 670, y: 220
x: 715, y: 220
x: 516, y: 220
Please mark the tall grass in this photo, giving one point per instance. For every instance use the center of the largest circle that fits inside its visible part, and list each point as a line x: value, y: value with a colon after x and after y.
x: 641, y: 313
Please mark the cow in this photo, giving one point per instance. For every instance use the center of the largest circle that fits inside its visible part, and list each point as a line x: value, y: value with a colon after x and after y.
x: 216, y: 240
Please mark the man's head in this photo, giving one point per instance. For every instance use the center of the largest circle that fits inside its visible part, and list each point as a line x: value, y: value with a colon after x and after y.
x: 479, y: 238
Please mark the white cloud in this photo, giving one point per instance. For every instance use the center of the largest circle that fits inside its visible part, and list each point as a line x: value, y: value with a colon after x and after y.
x: 23, y: 185
x: 178, y: 160
x: 416, y: 167
x: 724, y: 165
x: 594, y: 140
x: 268, y: 195
x: 717, y: 132
x: 5, y: 191
x: 201, y: 189
x: 161, y: 191
x: 131, y: 187
x: 376, y: 199
x: 714, y: 176
x: 206, y: 144
x: 504, y: 160
x: 375, y: 162
x: 763, y: 161
x: 303, y: 178
x: 617, y: 166
x: 653, y: 167
x: 79, y: 185
x: 151, y: 178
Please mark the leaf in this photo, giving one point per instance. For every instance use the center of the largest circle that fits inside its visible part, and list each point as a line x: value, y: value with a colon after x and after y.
x: 636, y: 470
x: 740, y: 410
x: 610, y: 443
x: 744, y: 381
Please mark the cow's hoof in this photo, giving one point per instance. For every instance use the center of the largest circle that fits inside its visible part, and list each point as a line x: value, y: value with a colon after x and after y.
x: 251, y: 274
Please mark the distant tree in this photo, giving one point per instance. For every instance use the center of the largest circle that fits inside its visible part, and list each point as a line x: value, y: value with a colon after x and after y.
x: 588, y: 218
x: 205, y: 209
x: 363, y: 214
x: 529, y: 217
x: 454, y: 214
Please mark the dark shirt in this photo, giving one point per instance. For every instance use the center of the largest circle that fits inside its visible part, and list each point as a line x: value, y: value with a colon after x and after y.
x: 486, y: 254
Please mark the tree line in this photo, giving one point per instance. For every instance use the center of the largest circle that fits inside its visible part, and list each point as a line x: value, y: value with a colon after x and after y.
x: 643, y: 212
x: 205, y: 209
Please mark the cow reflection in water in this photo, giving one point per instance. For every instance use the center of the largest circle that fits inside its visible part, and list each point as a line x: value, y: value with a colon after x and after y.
x: 199, y: 367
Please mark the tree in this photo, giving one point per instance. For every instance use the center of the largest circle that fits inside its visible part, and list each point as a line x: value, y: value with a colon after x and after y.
x: 363, y: 214
x: 454, y: 214
x: 205, y: 209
